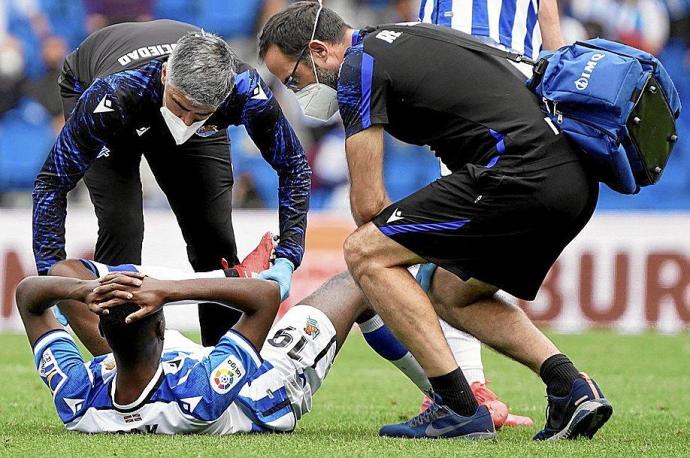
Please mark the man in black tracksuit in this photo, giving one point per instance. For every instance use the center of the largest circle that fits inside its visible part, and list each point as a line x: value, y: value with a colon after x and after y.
x: 517, y: 195
x: 113, y: 89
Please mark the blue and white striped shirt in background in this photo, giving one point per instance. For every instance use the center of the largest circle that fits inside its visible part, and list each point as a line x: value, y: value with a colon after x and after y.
x: 512, y: 23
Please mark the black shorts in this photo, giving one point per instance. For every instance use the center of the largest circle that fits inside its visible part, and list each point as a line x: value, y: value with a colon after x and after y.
x: 504, y: 226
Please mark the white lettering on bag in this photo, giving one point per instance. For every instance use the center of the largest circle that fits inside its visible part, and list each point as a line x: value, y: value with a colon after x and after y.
x: 583, y: 81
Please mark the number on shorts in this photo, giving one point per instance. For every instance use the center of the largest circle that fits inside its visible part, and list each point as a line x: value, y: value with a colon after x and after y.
x: 282, y: 338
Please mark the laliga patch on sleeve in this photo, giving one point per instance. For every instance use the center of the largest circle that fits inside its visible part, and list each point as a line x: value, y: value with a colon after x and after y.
x: 226, y: 375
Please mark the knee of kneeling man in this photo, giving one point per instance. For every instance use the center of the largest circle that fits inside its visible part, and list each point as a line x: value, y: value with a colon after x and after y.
x: 354, y: 250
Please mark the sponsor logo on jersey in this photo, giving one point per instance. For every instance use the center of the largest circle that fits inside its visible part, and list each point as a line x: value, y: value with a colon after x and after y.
x: 146, y: 52
x: 259, y: 94
x: 207, y: 131
x: 144, y: 429
x: 104, y: 106
x: 226, y: 375
x: 142, y: 130
x: 396, y: 216
x: 583, y: 81
x: 108, y: 363
x: 105, y: 152
x: 312, y: 328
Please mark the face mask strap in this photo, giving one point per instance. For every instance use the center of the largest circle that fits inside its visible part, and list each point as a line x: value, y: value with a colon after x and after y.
x: 313, y: 34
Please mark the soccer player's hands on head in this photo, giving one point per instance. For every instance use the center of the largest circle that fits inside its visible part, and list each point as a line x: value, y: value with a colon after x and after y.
x: 118, y: 288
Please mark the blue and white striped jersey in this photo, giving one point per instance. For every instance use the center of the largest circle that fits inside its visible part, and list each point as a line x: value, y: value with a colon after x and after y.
x: 512, y: 23
x: 227, y: 389
x: 224, y: 389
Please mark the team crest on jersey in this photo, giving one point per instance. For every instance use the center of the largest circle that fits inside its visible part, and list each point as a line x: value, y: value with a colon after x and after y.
x: 108, y: 363
x: 226, y: 375
x: 207, y: 131
x: 312, y: 328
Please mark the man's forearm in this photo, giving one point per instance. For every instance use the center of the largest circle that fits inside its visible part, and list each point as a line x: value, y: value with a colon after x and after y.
x: 365, y: 164
x: 49, y: 212
x: 550, y: 25
x: 293, y: 193
x: 37, y: 294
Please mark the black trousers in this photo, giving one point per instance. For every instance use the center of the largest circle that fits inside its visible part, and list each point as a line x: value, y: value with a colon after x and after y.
x: 196, y: 177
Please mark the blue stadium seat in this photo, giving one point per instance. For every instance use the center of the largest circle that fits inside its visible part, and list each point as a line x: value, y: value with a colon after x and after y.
x: 179, y: 10
x: 25, y: 140
x: 246, y: 158
x: 407, y: 168
x: 67, y: 19
x: 231, y: 19
x: 20, y: 27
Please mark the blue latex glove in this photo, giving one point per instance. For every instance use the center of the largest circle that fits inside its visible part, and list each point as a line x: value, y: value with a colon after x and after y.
x: 425, y: 274
x: 280, y: 272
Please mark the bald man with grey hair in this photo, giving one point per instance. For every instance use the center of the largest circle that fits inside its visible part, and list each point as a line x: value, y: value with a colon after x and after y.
x: 167, y: 91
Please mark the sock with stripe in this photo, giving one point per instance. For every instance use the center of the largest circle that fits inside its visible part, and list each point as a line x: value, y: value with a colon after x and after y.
x: 383, y: 342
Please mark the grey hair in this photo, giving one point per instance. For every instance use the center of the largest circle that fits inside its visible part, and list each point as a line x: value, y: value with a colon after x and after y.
x: 203, y: 67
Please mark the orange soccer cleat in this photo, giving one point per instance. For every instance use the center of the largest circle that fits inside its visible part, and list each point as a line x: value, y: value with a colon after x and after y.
x: 255, y: 262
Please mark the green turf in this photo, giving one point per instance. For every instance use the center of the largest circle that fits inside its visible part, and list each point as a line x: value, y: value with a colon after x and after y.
x: 646, y: 378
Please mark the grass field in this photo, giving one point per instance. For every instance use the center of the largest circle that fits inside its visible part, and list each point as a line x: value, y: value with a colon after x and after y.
x: 647, y: 379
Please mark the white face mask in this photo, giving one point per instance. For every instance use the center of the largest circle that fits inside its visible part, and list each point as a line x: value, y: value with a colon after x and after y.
x: 317, y: 100
x: 180, y: 131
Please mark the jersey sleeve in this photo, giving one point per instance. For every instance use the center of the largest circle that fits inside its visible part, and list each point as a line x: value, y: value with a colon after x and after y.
x: 362, y: 89
x: 99, y: 269
x: 62, y: 369
x: 95, y: 119
x: 218, y: 378
x: 273, y: 135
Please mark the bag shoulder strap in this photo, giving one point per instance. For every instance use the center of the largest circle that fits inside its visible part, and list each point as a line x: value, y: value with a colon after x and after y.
x: 459, y: 39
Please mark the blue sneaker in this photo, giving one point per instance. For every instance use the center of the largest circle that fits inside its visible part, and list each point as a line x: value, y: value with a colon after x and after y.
x: 439, y: 421
x: 579, y: 414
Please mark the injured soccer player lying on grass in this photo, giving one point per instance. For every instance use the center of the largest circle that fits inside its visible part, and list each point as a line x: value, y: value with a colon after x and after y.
x: 149, y: 379
x: 158, y: 381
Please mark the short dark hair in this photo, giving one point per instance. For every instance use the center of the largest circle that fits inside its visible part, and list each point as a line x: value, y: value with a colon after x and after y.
x: 291, y: 28
x: 128, y: 340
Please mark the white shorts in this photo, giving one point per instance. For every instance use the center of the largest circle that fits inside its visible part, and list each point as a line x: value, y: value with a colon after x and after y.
x: 301, y: 347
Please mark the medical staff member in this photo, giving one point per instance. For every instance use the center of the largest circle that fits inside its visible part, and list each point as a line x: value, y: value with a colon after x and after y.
x: 168, y: 91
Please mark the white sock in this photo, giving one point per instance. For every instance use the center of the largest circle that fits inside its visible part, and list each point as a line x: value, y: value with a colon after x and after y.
x: 467, y: 352
x: 383, y: 342
x: 167, y: 273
